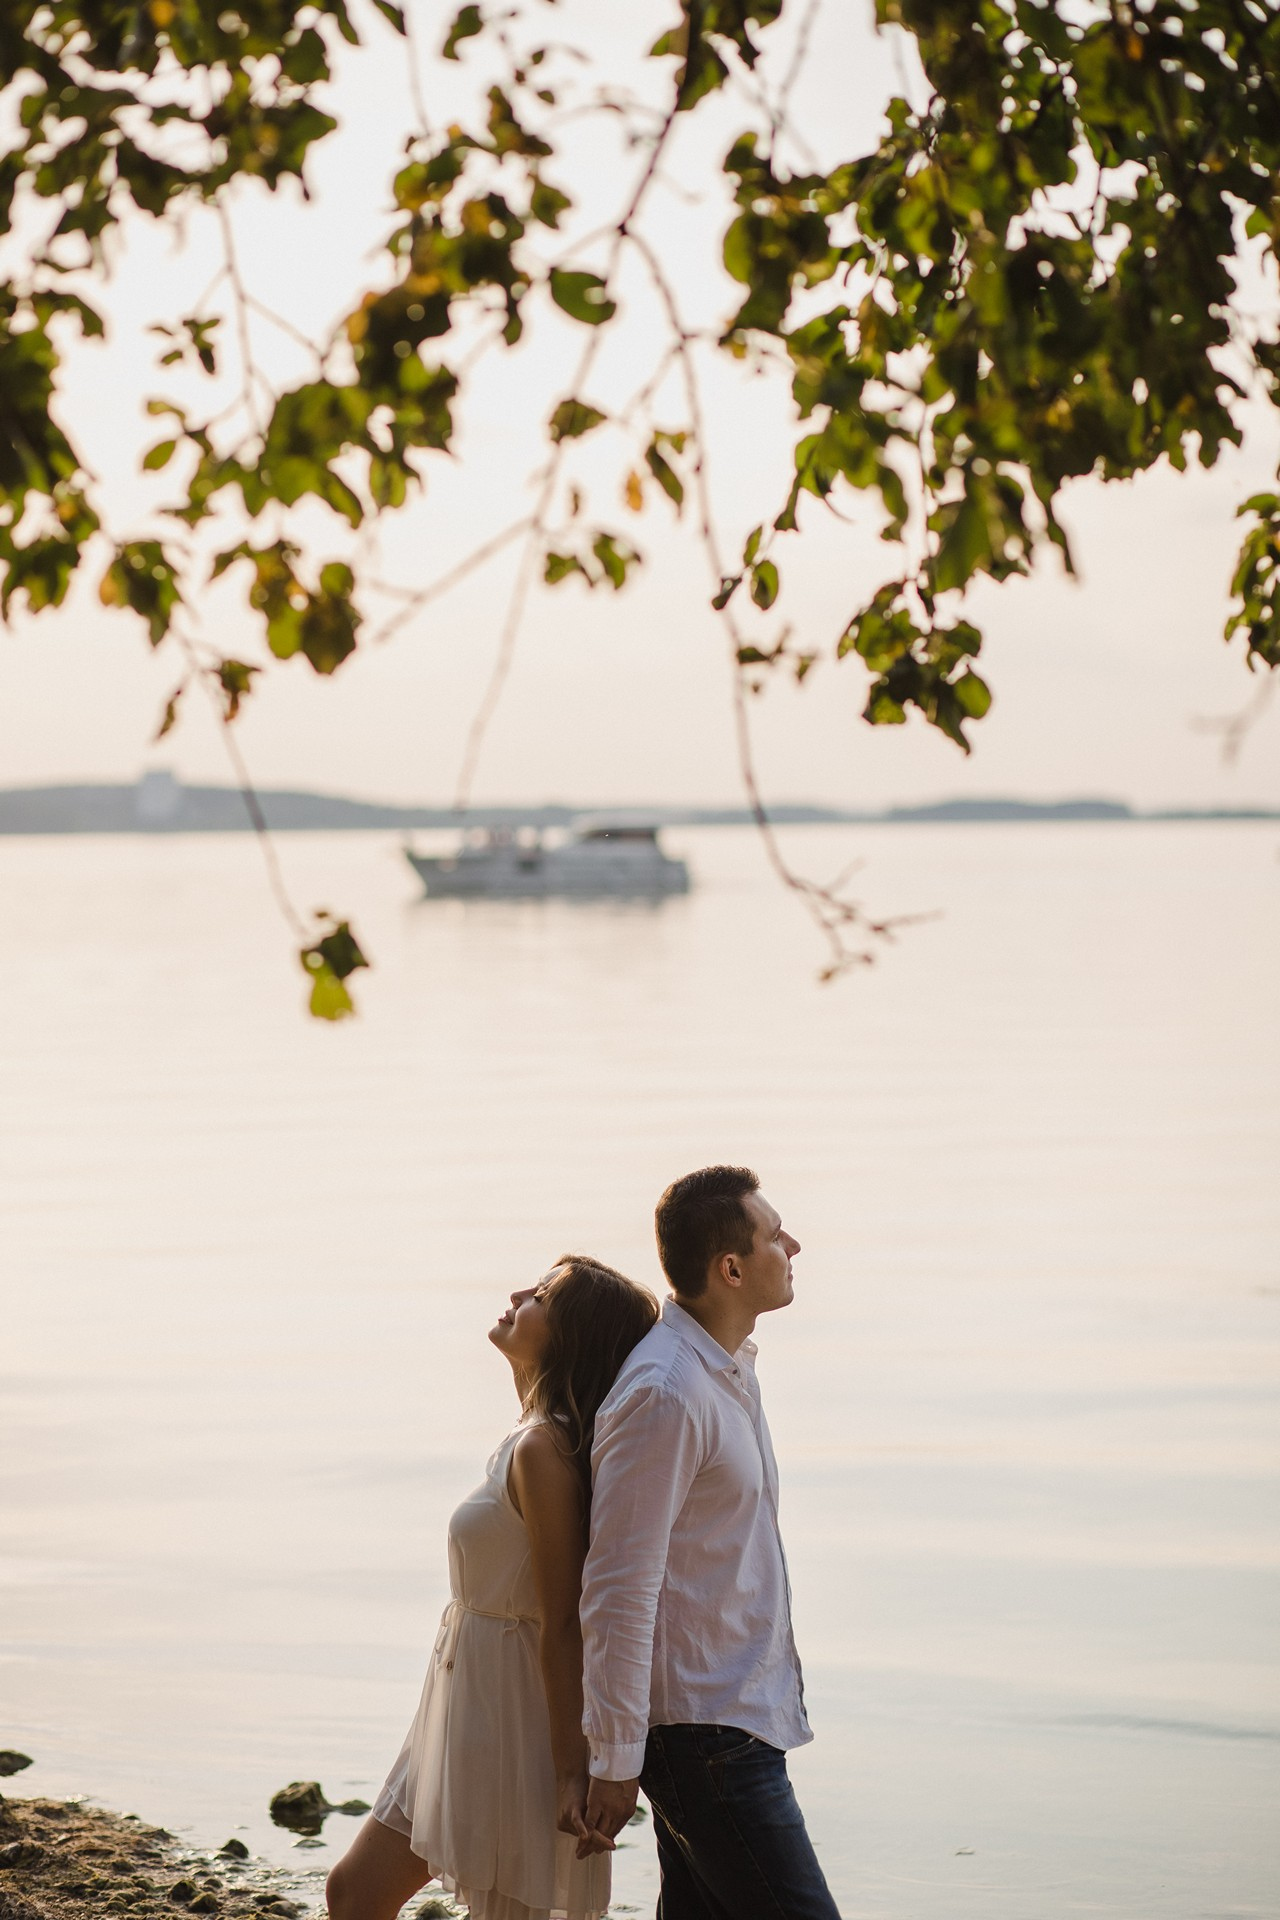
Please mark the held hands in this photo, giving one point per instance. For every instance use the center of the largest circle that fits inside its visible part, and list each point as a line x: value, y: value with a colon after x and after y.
x: 610, y: 1804
x: 571, y: 1811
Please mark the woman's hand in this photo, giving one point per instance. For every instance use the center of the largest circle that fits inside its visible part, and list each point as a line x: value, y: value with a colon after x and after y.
x: 571, y: 1811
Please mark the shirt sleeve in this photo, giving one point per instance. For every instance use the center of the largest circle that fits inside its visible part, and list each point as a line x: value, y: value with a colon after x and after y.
x: 644, y: 1459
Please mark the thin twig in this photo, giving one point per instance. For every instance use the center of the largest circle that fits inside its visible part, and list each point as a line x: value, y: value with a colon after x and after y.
x: 248, y: 370
x: 249, y: 794
x: 551, y: 473
x: 777, y: 111
x: 416, y: 92
x: 799, y: 54
x: 415, y: 598
x: 498, y: 677
x: 286, y: 326
x: 1235, y: 728
x: 641, y: 398
x: 831, y: 913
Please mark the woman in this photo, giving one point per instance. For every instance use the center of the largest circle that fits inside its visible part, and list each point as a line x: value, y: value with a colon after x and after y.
x: 490, y: 1789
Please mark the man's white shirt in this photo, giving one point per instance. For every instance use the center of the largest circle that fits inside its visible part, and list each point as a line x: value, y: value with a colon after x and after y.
x: 686, y: 1603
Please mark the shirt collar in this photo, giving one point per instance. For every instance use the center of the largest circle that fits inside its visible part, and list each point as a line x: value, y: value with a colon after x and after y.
x: 709, y: 1351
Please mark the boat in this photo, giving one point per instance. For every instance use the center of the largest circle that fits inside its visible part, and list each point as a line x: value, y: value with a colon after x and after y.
x: 597, y: 857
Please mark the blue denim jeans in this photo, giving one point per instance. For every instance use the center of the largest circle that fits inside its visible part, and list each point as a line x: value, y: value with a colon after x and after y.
x: 732, y: 1843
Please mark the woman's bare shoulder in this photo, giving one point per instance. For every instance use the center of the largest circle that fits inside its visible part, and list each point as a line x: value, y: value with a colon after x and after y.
x: 541, y: 1471
x: 539, y: 1449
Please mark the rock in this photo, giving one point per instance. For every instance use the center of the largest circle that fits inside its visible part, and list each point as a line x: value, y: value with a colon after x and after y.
x: 206, y: 1902
x: 182, y: 1892
x: 11, y: 1762
x: 21, y: 1853
x: 301, y: 1806
x: 234, y: 1850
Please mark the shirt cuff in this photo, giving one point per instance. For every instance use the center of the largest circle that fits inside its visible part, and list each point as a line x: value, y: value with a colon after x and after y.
x: 617, y: 1762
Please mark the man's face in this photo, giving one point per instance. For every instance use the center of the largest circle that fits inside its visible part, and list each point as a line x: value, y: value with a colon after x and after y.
x: 766, y: 1270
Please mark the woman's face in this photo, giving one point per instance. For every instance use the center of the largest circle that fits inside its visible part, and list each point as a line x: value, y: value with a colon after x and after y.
x: 522, y: 1332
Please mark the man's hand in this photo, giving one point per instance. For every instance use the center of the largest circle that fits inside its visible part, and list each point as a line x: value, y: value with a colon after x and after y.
x: 610, y: 1804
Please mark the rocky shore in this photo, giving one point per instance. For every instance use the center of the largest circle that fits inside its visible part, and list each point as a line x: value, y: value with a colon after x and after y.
x: 63, y: 1860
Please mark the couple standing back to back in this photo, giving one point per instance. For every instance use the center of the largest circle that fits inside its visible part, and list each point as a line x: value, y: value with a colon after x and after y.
x: 620, y: 1615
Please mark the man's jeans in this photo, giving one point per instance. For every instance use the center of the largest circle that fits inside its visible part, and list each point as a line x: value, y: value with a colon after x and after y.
x: 731, y: 1840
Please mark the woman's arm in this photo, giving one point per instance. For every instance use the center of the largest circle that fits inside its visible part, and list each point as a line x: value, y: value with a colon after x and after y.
x: 548, y: 1493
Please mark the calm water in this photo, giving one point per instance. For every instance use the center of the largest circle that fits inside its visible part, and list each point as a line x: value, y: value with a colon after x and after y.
x: 1024, y: 1402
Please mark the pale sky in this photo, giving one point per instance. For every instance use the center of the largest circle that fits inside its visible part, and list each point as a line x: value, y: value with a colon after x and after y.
x: 1100, y: 685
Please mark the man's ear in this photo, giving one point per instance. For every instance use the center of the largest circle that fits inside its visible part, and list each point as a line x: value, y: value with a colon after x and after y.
x: 730, y: 1271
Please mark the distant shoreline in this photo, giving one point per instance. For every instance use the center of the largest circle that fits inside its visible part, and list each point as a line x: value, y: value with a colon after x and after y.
x: 159, y: 804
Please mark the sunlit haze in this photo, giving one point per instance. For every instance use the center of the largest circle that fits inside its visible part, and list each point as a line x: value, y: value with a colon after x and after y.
x: 1101, y: 686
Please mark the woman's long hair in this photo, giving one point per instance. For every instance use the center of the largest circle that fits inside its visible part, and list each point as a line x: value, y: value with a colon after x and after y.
x: 595, y: 1316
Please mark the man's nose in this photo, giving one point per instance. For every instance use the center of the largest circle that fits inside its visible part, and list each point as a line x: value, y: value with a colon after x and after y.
x: 793, y: 1245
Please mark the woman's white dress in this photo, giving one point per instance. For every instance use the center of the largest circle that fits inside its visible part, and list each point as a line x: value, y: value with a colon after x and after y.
x: 474, y: 1787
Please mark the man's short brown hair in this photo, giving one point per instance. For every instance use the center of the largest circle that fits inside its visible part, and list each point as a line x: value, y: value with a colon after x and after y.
x: 700, y: 1217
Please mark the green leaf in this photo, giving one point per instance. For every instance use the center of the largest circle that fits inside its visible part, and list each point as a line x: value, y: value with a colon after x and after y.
x: 882, y: 710
x: 329, y: 997
x: 467, y: 22
x: 974, y: 695
x: 508, y: 134
x: 583, y: 296
x: 159, y: 455
x: 558, y: 567
x: 547, y: 203
x: 143, y: 578
x: 235, y: 680
x: 573, y: 418
x: 614, y: 556
x: 764, y: 584
x: 43, y: 567
x: 169, y: 718
x: 965, y: 545
x: 665, y: 474
x: 702, y: 69
x: 329, y: 963
x: 321, y: 624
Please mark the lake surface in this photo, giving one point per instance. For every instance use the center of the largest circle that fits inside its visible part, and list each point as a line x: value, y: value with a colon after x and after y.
x: 1024, y: 1404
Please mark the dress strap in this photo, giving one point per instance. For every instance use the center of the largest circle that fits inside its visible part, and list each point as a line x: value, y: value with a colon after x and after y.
x: 500, y: 1458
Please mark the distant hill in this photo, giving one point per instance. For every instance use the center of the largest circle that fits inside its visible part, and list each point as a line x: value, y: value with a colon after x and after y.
x: 159, y: 803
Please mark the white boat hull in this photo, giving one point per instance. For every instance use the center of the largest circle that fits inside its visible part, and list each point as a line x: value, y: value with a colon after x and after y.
x: 593, y: 869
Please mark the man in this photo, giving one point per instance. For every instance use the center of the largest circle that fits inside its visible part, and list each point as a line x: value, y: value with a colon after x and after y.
x: 691, y: 1682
